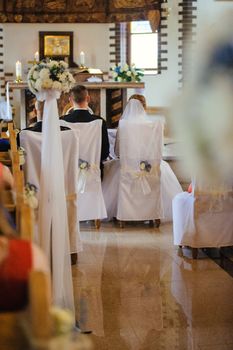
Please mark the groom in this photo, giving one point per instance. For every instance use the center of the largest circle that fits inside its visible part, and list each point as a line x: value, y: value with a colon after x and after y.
x: 80, y: 99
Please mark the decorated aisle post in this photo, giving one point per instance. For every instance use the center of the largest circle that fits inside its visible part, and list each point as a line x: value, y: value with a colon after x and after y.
x: 47, y: 80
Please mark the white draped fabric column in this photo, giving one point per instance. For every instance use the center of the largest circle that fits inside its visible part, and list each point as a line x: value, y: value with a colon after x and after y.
x: 53, y: 221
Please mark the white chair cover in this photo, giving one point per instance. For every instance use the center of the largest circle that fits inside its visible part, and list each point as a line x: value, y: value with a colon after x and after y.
x: 140, y: 191
x: 90, y: 201
x: 170, y: 187
x: 203, y: 219
x: 31, y: 142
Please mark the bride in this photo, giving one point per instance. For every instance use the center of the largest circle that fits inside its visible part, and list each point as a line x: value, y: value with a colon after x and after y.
x: 170, y: 187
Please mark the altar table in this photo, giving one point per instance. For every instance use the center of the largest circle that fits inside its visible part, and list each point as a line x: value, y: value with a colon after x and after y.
x: 108, y: 100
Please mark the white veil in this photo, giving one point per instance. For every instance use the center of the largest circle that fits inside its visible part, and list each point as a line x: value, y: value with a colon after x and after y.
x: 134, y: 112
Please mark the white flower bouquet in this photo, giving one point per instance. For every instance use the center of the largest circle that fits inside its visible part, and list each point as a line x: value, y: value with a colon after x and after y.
x: 126, y: 73
x: 47, y: 75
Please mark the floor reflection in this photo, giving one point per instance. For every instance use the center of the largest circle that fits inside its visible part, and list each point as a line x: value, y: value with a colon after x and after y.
x: 135, y: 292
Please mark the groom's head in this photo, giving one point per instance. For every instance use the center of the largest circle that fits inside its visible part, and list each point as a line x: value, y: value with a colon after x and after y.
x: 79, y: 96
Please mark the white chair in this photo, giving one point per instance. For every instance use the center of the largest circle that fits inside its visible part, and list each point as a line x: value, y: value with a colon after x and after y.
x: 91, y: 202
x: 204, y: 218
x: 31, y: 142
x: 139, y: 196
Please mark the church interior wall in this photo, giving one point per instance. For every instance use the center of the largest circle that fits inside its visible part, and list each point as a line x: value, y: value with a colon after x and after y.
x: 21, y: 41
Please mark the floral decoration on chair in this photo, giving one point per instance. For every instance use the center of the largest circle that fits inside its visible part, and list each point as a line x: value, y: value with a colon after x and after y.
x: 30, y: 198
x: 145, y: 166
x: 50, y: 75
x: 22, y: 154
x: 83, y: 164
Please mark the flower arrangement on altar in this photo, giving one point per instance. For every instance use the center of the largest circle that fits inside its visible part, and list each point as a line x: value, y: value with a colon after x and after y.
x: 47, y: 75
x: 126, y: 73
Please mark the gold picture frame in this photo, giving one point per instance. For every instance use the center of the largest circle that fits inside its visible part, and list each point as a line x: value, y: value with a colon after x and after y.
x: 56, y: 45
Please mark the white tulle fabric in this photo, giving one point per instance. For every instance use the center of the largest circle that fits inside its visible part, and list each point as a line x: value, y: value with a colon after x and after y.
x: 140, y: 191
x: 53, y: 221
x: 134, y: 112
x: 203, y: 218
x: 90, y: 200
x: 170, y: 187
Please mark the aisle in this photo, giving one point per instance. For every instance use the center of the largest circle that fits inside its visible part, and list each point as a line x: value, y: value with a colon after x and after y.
x: 135, y: 292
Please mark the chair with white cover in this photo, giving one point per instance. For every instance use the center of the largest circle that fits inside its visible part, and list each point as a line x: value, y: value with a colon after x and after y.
x: 203, y: 219
x: 90, y: 201
x: 139, y: 196
x: 31, y: 142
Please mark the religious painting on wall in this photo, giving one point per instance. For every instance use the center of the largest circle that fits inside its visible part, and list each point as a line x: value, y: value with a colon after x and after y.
x: 56, y: 45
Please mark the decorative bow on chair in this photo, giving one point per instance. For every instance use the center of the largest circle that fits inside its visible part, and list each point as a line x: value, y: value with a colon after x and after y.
x: 141, y: 177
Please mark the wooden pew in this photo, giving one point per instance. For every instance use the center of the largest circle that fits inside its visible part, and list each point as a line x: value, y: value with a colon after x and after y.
x: 12, y: 159
x: 26, y: 222
x: 35, y: 323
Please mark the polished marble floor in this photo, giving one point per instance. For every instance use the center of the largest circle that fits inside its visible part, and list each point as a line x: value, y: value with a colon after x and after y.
x: 135, y: 291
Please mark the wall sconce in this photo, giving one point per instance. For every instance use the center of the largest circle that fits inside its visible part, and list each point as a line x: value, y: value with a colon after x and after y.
x: 168, y: 10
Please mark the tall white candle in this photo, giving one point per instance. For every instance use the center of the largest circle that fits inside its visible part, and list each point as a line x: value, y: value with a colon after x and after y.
x: 82, y: 58
x: 36, y: 56
x: 18, y: 70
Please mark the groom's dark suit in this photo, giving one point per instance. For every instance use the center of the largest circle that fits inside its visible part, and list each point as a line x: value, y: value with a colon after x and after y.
x: 37, y: 127
x: 83, y: 116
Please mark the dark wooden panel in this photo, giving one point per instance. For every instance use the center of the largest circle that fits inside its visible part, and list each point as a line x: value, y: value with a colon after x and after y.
x: 74, y: 11
x: 187, y: 34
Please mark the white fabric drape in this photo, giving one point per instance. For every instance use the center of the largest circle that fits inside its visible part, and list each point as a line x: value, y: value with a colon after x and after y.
x: 53, y: 227
x: 112, y: 139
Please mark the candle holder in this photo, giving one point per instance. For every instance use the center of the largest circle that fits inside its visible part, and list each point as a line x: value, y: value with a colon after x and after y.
x: 18, y: 79
x: 33, y: 62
